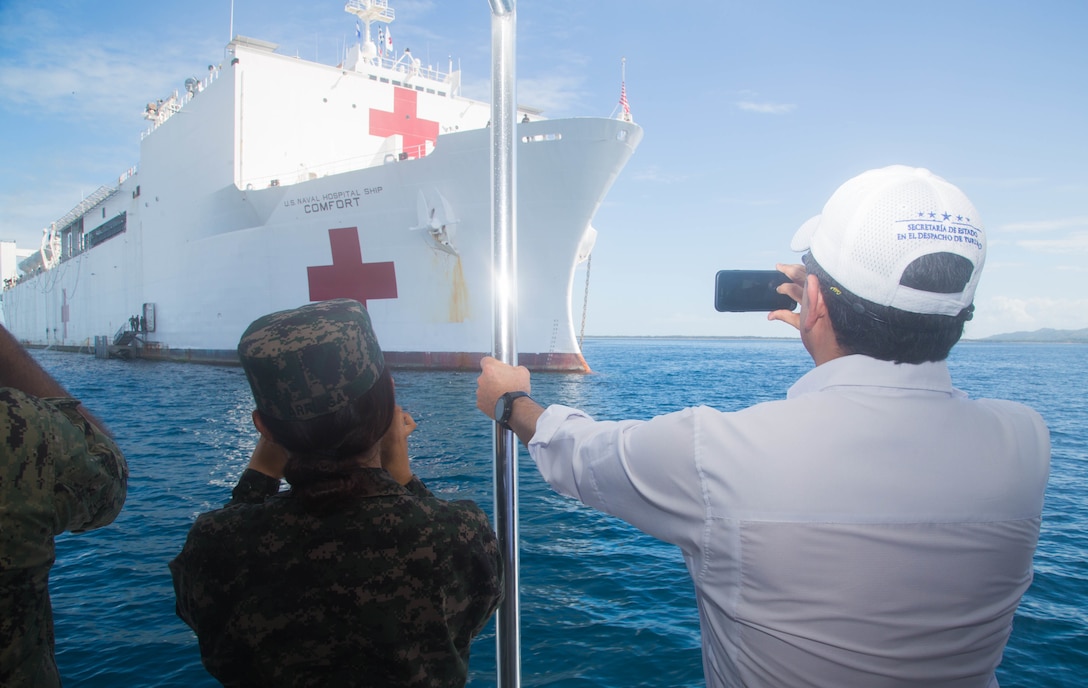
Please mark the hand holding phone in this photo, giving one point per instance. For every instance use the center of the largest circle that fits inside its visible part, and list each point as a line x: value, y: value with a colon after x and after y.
x: 741, y: 291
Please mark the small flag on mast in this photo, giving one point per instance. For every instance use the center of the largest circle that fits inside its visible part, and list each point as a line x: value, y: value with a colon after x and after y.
x: 624, y: 105
x: 381, y: 41
x: 389, y: 42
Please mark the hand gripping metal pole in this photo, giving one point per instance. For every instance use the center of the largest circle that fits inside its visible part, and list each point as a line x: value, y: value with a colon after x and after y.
x: 504, y: 281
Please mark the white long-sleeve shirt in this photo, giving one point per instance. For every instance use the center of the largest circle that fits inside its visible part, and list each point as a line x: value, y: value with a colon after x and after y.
x: 875, y: 528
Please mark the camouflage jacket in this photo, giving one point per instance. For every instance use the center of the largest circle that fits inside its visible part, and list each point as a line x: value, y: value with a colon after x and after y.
x: 387, y: 590
x: 57, y: 472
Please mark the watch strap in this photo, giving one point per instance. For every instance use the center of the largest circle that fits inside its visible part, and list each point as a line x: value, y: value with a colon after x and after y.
x: 508, y: 407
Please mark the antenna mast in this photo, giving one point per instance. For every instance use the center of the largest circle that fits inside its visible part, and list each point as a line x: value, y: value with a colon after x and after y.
x: 370, y: 11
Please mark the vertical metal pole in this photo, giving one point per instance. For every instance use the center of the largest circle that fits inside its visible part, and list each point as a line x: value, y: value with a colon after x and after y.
x: 504, y: 280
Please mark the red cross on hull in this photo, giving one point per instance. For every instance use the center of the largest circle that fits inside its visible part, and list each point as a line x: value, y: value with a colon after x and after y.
x: 348, y: 276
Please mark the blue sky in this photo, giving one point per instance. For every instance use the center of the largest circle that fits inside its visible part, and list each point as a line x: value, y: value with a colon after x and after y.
x: 754, y: 112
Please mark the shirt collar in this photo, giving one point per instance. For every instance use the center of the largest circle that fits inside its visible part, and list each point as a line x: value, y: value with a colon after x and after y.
x: 377, y: 481
x: 864, y: 371
x: 371, y: 482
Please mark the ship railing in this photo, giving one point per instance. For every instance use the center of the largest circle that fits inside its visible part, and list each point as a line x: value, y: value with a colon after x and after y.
x: 408, y: 153
x: 358, y: 162
x: 50, y: 252
x: 127, y: 174
x: 411, y: 70
x: 100, y: 194
x: 164, y: 110
x: 414, y: 152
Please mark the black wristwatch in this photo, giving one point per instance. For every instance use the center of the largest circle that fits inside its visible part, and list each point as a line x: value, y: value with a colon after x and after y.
x: 504, y: 408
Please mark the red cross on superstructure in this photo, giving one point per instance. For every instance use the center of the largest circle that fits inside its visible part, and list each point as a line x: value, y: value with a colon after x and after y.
x: 403, y: 120
x: 348, y: 276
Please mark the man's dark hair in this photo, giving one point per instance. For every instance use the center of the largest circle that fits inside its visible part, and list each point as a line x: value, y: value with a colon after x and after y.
x: 322, y: 464
x: 891, y: 334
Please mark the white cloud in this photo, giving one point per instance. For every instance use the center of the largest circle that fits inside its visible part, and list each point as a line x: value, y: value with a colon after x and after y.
x: 753, y: 202
x: 84, y: 78
x: 654, y: 173
x: 552, y: 94
x: 1076, y: 242
x: 1080, y: 222
x: 766, y: 108
x: 1003, y: 314
x: 1073, y: 187
x: 1002, y: 183
x: 83, y: 82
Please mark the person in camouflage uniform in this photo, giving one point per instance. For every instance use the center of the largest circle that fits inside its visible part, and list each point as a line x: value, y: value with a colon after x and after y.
x: 59, y: 470
x: 357, y: 575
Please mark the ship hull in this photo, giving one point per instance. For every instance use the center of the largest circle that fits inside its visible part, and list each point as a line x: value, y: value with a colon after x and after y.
x: 434, y: 312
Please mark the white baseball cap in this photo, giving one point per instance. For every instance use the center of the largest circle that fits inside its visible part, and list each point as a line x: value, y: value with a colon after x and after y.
x: 879, y: 222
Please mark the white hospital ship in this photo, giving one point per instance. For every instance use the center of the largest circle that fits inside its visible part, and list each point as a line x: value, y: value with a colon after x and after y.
x: 287, y: 181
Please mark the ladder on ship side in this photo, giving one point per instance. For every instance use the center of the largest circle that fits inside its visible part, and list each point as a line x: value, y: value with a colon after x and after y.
x: 585, y: 303
x: 125, y: 343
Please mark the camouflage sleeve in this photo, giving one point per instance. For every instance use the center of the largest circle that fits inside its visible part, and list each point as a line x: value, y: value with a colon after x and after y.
x: 202, y: 583
x: 253, y: 488
x: 476, y: 575
x: 91, y: 474
x: 58, y: 461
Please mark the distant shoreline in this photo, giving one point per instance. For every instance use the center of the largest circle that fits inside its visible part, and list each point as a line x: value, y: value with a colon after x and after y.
x: 994, y: 339
x: 687, y: 336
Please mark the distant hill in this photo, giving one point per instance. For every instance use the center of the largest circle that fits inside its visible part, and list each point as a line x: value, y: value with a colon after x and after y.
x: 1044, y: 335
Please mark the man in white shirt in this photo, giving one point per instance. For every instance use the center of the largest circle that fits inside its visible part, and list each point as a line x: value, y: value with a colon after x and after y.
x: 874, y: 528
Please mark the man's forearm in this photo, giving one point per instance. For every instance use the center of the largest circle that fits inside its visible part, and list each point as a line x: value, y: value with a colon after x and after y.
x: 20, y: 371
x: 524, y: 417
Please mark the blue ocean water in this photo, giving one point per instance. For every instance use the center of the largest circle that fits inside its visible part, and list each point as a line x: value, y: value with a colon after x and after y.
x: 601, y: 603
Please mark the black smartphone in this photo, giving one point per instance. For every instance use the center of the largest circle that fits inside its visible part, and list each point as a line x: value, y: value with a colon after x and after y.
x: 750, y: 290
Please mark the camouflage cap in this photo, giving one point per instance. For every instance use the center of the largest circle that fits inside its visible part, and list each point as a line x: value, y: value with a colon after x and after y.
x: 310, y: 361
